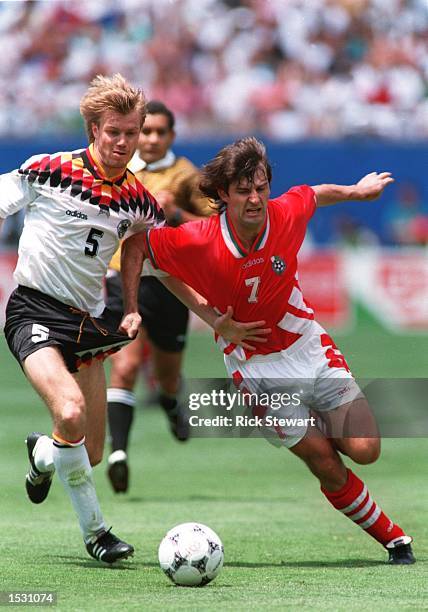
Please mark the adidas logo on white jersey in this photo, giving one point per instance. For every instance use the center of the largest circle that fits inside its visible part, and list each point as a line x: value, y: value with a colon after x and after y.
x: 78, y: 215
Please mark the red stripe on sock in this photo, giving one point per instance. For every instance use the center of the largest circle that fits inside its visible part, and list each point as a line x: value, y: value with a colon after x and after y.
x: 359, y: 507
x: 383, y: 529
x: 367, y: 515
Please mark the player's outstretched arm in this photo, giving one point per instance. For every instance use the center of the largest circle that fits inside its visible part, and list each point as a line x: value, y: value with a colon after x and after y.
x: 224, y: 325
x: 370, y: 187
x: 131, y: 263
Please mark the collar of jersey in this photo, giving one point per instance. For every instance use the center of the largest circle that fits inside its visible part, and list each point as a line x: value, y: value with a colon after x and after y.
x: 137, y: 164
x: 232, y: 241
x: 98, y: 167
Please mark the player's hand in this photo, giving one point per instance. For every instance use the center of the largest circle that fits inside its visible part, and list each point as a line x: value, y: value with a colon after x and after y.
x: 371, y: 186
x: 240, y: 333
x: 166, y: 201
x: 130, y: 324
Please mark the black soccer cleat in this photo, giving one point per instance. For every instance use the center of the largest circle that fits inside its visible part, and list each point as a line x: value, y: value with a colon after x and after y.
x: 108, y: 548
x: 401, y: 555
x: 178, y: 423
x: 118, y: 471
x: 37, y: 483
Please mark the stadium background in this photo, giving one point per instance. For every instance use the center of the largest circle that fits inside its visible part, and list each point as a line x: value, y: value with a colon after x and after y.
x: 336, y: 88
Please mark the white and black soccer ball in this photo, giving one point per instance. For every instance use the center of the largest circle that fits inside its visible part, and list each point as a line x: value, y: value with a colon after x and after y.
x: 191, y: 554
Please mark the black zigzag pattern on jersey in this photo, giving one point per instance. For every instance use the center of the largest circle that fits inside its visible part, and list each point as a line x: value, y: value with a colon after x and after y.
x: 77, y: 173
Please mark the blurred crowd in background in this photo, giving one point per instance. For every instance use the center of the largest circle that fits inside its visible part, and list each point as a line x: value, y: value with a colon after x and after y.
x: 287, y: 69
x: 284, y: 69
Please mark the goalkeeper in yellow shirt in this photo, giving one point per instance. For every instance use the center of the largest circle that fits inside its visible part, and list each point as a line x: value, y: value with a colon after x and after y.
x: 174, y: 182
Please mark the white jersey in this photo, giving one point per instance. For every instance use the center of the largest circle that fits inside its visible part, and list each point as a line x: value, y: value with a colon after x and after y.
x: 74, y: 220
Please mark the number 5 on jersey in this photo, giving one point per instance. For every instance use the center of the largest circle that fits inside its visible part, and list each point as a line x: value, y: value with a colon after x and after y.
x: 92, y: 242
x: 254, y: 283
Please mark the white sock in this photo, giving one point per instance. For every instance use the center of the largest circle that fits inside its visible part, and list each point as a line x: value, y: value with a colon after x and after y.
x: 75, y: 472
x: 43, y: 454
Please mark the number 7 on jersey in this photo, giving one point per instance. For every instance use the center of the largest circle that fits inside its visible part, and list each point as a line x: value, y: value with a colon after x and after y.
x: 254, y: 283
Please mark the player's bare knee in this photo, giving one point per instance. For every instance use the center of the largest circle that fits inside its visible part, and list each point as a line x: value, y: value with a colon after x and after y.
x: 72, y: 418
x: 364, y: 450
x: 125, y: 372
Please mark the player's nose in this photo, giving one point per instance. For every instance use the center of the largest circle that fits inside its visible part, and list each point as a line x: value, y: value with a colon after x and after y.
x: 254, y: 196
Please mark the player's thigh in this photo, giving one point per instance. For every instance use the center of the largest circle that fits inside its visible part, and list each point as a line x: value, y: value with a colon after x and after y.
x: 167, y: 367
x: 92, y: 382
x: 273, y: 396
x: 48, y: 374
x: 342, y: 406
x: 126, y: 363
x: 354, y: 419
x: 165, y: 318
x: 354, y: 430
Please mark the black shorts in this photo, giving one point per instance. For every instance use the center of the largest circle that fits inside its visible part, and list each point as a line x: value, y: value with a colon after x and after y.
x: 165, y: 318
x: 35, y: 320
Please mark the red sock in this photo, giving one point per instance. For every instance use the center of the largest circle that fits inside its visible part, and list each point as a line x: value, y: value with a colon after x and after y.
x: 354, y: 500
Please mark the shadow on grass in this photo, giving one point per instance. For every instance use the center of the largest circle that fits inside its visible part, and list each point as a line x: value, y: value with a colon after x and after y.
x: 351, y: 563
x: 93, y: 564
x: 210, y: 498
x: 135, y: 565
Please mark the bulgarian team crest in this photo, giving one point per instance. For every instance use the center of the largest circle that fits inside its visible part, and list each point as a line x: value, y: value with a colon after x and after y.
x: 278, y: 264
x: 122, y: 227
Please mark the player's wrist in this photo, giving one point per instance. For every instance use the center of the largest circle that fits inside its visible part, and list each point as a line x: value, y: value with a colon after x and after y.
x: 176, y: 218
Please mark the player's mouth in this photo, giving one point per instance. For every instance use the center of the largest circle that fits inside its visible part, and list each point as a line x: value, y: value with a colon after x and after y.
x: 254, y: 211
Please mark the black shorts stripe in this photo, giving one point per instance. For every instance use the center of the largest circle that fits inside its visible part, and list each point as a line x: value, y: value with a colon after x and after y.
x: 35, y: 320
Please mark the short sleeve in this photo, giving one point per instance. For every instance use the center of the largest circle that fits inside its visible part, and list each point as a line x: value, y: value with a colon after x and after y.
x: 15, y: 193
x: 301, y: 200
x: 175, y: 249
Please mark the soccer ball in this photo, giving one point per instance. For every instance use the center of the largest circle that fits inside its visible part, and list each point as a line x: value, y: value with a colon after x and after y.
x: 191, y: 554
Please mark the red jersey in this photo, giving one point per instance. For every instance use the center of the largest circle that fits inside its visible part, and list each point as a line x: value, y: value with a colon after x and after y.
x: 260, y: 284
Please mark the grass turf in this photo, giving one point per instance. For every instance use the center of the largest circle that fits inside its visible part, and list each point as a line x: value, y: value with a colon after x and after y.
x: 285, y: 547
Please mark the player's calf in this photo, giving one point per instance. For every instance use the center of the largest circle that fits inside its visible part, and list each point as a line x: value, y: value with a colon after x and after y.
x: 348, y: 494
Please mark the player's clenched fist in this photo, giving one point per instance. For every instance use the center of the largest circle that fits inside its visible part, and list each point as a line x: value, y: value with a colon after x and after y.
x: 130, y: 324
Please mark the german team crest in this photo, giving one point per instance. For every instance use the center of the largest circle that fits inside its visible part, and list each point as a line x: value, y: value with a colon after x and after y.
x: 122, y: 227
x: 278, y: 264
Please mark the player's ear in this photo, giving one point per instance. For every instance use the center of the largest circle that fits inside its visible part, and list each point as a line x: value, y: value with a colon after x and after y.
x: 94, y: 130
x: 223, y: 195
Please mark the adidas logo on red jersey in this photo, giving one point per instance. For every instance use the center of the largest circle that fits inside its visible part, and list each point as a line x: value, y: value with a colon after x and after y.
x: 253, y: 262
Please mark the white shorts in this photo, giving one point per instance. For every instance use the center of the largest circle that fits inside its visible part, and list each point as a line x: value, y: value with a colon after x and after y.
x: 314, y: 376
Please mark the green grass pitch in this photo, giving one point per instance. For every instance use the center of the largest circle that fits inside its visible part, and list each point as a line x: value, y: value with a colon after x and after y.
x: 285, y: 547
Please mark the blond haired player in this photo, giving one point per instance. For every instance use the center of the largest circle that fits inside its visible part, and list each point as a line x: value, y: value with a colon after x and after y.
x: 78, y: 206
